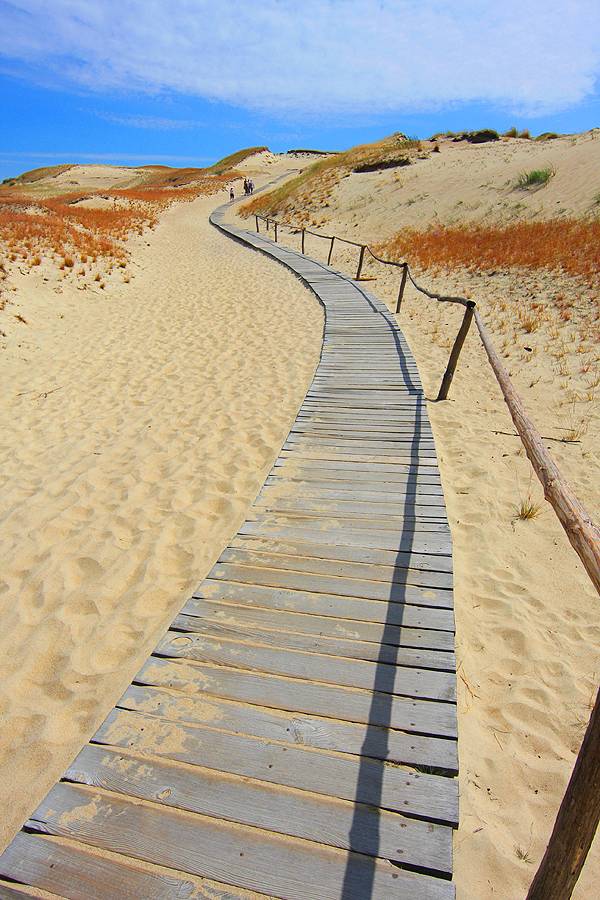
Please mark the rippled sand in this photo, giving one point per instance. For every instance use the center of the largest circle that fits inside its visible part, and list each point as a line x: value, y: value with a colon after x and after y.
x: 136, y: 426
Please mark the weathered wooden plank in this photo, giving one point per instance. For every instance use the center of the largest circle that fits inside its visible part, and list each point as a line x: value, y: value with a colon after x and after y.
x: 248, y: 857
x: 425, y: 449
x: 249, y: 656
x: 326, y: 550
x: 362, y: 455
x: 280, y: 636
x: 74, y: 871
x: 301, y: 731
x: 368, y: 435
x: 316, y: 565
x: 308, y: 529
x: 401, y: 528
x: 325, y: 820
x: 227, y: 613
x: 337, y: 605
x: 330, y: 480
x: 344, y: 703
x: 321, y: 520
x: 372, y: 430
x: 396, y: 591
x: 392, y: 471
x: 345, y: 492
x: 359, y: 420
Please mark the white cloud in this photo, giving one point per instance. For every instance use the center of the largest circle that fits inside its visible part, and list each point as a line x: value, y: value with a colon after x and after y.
x: 318, y: 57
x: 156, y: 123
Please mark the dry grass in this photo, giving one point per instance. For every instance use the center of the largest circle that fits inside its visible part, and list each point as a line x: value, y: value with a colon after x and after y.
x: 61, y: 229
x: 528, y: 509
x: 522, y: 854
x: 571, y: 246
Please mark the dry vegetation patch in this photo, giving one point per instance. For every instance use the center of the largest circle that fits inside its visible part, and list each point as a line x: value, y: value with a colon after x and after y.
x: 568, y: 246
x: 85, y: 227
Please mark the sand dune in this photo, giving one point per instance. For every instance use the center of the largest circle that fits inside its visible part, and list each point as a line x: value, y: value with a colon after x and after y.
x: 137, y: 425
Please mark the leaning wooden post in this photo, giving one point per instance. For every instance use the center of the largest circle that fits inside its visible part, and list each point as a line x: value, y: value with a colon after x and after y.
x: 576, y: 822
x: 330, y: 250
x: 458, y: 344
x: 402, y: 286
x: 257, y: 228
x: 360, y: 262
x: 303, y: 240
x: 275, y: 224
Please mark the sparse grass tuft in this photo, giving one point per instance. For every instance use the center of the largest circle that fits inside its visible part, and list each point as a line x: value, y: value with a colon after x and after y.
x: 535, y: 178
x: 530, y: 321
x: 512, y: 132
x: 528, y: 509
x: 523, y: 855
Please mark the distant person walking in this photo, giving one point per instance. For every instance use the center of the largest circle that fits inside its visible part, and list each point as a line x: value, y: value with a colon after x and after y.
x: 231, y: 194
x: 250, y: 187
x: 246, y: 186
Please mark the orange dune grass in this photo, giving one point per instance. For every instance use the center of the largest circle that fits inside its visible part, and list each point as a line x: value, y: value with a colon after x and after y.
x: 61, y: 226
x: 568, y: 245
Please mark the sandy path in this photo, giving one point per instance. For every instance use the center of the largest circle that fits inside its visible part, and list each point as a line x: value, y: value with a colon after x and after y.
x: 171, y: 397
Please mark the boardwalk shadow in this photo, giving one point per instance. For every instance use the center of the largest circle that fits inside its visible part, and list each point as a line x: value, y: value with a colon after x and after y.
x: 365, y: 831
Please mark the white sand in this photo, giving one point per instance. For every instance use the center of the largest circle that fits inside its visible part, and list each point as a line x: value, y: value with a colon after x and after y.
x: 471, y: 183
x: 137, y: 425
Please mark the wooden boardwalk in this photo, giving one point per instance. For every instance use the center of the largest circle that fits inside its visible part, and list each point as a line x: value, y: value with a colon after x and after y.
x: 294, y: 733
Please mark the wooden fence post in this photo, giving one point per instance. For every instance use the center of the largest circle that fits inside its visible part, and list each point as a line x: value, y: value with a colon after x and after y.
x: 275, y: 224
x: 303, y: 240
x: 402, y: 286
x: 360, y: 262
x: 257, y: 228
x: 455, y: 353
x: 576, y: 822
x: 330, y: 250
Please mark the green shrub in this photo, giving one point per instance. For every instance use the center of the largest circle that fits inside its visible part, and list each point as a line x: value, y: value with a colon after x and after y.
x: 546, y: 136
x: 482, y: 136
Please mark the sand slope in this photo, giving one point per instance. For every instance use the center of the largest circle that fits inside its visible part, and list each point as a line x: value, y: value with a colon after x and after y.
x: 137, y: 425
x: 473, y: 183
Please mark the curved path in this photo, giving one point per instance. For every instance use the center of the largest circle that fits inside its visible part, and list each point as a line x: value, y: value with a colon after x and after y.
x: 294, y: 732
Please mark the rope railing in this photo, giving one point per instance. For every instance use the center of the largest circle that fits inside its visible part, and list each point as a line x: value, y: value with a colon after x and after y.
x: 579, y: 813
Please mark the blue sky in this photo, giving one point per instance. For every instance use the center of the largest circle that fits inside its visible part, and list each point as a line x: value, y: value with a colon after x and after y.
x: 185, y: 82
